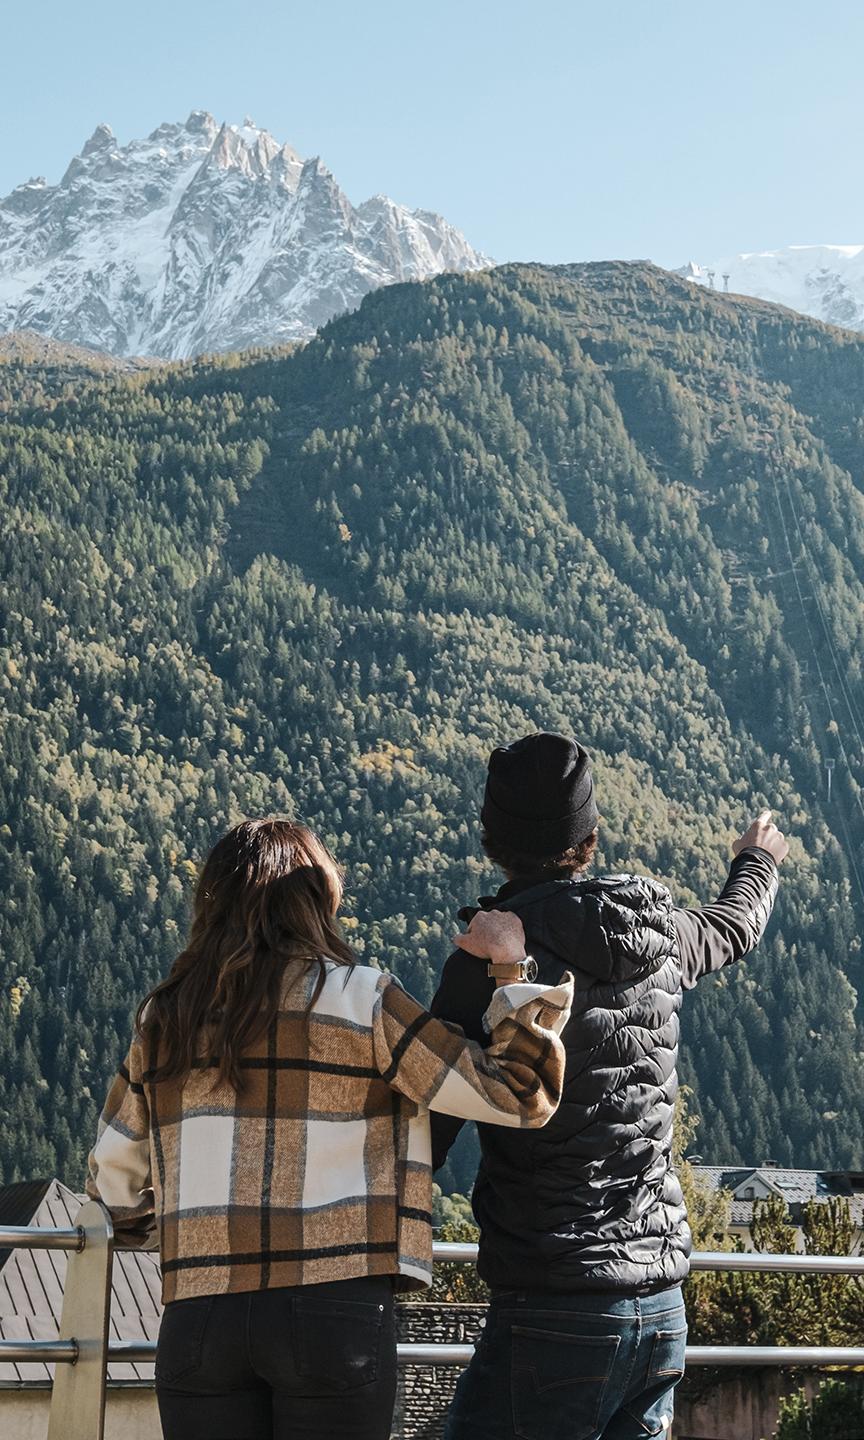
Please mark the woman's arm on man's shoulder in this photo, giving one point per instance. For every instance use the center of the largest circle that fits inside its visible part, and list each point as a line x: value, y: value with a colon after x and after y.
x: 516, y: 1080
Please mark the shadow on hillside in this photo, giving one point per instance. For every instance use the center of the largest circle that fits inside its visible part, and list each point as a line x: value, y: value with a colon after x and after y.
x: 276, y: 516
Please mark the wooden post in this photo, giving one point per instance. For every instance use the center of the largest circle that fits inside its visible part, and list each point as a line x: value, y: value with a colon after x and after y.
x: 78, y: 1397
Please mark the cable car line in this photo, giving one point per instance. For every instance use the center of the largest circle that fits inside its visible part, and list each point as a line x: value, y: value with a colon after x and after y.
x: 854, y: 713
x: 850, y: 853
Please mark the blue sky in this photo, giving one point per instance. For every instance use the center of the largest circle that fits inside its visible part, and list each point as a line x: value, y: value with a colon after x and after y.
x: 545, y: 130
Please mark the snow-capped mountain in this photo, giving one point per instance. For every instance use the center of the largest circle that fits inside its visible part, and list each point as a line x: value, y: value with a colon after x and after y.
x: 202, y: 237
x: 826, y: 281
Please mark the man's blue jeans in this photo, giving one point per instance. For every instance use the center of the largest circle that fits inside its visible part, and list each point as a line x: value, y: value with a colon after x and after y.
x: 572, y: 1367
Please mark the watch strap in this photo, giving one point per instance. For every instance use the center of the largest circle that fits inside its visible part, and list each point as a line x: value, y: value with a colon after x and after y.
x: 520, y: 970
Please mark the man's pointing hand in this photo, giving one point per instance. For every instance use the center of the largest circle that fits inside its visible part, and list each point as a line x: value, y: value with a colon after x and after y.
x: 764, y: 834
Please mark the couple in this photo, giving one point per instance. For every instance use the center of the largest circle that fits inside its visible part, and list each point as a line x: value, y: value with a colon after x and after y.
x: 275, y: 1120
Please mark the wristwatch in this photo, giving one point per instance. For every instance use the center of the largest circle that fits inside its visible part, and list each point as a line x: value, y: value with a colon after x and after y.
x: 521, y: 970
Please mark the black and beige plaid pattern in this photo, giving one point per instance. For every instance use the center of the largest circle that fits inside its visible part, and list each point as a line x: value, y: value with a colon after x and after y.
x: 319, y: 1168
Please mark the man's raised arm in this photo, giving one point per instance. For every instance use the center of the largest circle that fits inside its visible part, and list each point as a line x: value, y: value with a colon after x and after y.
x: 716, y: 935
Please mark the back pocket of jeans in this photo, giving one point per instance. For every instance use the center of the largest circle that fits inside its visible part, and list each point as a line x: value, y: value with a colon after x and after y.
x: 181, y: 1338
x: 558, y: 1382
x: 338, y: 1344
x: 667, y: 1355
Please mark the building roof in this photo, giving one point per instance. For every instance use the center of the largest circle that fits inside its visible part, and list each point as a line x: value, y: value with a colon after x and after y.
x: 31, y: 1286
x: 796, y: 1187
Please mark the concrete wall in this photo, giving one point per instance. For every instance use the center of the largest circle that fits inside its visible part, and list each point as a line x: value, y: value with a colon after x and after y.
x: 743, y: 1406
x: 129, y: 1415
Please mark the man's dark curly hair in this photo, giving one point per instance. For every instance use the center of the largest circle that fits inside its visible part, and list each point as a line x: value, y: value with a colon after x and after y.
x: 557, y: 867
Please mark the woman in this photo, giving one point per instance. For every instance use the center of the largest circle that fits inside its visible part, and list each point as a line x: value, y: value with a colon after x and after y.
x: 271, y: 1124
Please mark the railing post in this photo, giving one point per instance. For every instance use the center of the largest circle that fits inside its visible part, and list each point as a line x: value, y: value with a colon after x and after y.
x: 78, y: 1398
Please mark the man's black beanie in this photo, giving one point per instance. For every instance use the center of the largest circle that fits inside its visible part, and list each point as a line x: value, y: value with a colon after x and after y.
x: 539, y: 795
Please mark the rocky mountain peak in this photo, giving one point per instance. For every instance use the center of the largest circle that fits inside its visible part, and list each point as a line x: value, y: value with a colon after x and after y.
x: 202, y: 236
x: 101, y: 139
x: 201, y: 122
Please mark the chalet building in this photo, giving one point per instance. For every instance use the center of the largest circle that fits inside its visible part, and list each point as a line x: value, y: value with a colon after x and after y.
x: 795, y: 1188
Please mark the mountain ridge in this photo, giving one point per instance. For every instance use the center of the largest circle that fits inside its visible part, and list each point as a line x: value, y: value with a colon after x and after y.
x: 202, y: 237
x: 28, y: 347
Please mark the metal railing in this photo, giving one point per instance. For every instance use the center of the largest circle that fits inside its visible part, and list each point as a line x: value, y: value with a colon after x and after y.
x: 82, y: 1352
x: 81, y: 1349
x: 727, y: 1356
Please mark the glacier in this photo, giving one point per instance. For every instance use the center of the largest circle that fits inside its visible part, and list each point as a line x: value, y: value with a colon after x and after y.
x: 825, y: 281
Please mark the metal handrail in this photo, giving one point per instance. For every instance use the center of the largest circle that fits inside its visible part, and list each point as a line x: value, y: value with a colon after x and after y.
x: 460, y: 1253
x: 31, y: 1352
x: 465, y: 1253
x: 777, y: 1356
x: 83, y: 1353
x: 143, y: 1352
x: 722, y: 1356
x: 762, y: 1263
x: 34, y: 1237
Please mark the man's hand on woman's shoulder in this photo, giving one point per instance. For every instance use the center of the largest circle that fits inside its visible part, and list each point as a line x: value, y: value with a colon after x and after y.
x: 496, y: 935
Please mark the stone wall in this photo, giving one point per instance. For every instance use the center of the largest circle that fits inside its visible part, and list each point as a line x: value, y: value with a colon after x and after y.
x: 425, y: 1391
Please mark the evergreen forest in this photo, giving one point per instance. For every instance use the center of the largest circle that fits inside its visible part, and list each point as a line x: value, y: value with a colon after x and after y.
x: 327, y: 581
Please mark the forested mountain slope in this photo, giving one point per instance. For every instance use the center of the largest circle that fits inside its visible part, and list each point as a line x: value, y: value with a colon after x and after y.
x: 589, y: 498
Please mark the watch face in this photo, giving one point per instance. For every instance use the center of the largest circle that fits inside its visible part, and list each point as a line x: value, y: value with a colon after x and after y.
x: 530, y: 969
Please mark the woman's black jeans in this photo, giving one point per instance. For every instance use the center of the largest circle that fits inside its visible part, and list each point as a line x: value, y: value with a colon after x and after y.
x: 311, y: 1362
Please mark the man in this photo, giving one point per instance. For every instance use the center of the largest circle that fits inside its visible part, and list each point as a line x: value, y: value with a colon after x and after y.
x: 583, y: 1232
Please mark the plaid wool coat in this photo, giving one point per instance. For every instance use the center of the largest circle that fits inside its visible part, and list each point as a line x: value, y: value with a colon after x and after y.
x: 319, y: 1167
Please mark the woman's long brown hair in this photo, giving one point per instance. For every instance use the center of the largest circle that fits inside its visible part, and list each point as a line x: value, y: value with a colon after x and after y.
x: 268, y: 894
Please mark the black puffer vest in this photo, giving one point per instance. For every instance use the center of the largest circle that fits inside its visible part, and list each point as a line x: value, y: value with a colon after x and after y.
x: 591, y: 1202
